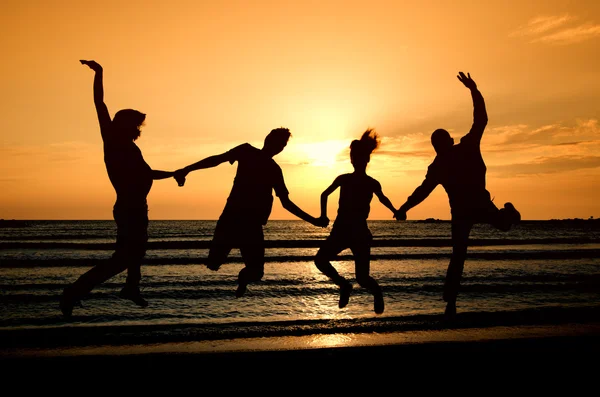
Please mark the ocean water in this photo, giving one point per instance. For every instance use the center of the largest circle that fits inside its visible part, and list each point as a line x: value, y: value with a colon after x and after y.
x: 538, y: 267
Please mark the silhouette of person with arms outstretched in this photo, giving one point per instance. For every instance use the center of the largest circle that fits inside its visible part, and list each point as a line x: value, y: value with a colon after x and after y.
x: 249, y: 204
x: 350, y: 229
x: 460, y: 169
x: 132, y: 179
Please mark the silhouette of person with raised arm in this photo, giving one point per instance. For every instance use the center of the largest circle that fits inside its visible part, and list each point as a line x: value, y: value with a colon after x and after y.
x: 249, y: 204
x: 350, y: 229
x: 460, y: 169
x: 132, y: 179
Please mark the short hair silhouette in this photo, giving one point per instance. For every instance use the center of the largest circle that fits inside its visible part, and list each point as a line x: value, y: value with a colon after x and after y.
x: 128, y: 122
x: 278, y: 137
x: 361, y: 149
x: 441, y: 140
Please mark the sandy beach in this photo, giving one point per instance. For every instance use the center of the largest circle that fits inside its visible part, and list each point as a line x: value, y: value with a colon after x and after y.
x: 568, y: 349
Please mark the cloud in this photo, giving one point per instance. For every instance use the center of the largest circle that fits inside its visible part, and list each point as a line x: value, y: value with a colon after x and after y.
x: 64, y: 152
x: 10, y: 180
x: 546, y: 165
x: 509, y: 150
x: 520, y: 137
x: 557, y: 30
x: 542, y: 24
x: 573, y: 143
x: 571, y: 35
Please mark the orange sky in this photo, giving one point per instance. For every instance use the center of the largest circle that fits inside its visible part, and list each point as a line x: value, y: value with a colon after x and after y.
x: 211, y: 75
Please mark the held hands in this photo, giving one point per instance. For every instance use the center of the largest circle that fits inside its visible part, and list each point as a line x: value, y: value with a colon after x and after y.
x: 179, y: 176
x: 400, y: 215
x: 467, y: 80
x: 95, y: 66
x: 322, y: 221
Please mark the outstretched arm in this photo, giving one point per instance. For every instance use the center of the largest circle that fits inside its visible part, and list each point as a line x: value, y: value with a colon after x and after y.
x: 386, y: 201
x: 294, y: 209
x: 157, y: 174
x: 480, y: 118
x: 207, y: 162
x: 101, y: 109
x: 420, y: 194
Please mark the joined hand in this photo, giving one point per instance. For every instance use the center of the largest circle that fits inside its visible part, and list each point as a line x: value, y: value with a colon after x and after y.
x: 179, y: 176
x: 400, y: 215
x: 323, y: 221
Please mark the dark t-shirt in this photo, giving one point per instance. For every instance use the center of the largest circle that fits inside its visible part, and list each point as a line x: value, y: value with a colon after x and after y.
x: 461, y: 171
x: 356, y: 193
x: 257, y: 175
x: 129, y: 174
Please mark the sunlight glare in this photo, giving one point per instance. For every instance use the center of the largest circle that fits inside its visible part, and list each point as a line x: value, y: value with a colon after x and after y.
x: 321, y: 154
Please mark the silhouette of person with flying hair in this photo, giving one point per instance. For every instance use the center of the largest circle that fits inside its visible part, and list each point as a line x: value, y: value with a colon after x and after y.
x: 249, y: 204
x: 460, y: 169
x: 350, y: 229
x: 132, y: 179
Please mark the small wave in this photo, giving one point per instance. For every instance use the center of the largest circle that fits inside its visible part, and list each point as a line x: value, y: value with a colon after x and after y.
x: 519, y: 255
x: 54, y: 332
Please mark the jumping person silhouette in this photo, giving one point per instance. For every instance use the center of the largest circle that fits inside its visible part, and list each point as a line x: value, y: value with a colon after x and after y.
x: 132, y: 179
x: 249, y: 204
x: 350, y: 229
x: 460, y: 169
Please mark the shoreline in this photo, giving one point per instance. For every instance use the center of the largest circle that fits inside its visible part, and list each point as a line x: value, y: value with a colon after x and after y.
x: 313, y: 343
x: 566, y: 351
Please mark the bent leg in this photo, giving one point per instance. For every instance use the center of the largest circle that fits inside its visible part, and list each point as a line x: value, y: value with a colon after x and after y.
x: 95, y: 276
x: 87, y: 281
x: 220, y: 245
x: 252, y: 250
x: 461, y: 228
x: 328, y: 251
x: 362, y: 259
x: 132, y: 238
x: 330, y: 248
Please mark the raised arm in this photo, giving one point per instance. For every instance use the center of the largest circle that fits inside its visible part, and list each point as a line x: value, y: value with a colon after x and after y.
x: 480, y: 118
x: 101, y: 109
x: 207, y: 162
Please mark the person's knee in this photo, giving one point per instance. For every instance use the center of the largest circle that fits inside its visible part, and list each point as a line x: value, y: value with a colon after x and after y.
x: 364, y: 280
x: 321, y: 263
x: 252, y: 274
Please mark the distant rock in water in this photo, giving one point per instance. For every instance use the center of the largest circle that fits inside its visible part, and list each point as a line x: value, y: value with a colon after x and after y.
x: 431, y: 220
x: 13, y: 223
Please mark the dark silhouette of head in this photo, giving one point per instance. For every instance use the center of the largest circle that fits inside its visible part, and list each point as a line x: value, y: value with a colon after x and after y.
x: 441, y: 141
x: 361, y: 149
x: 276, y: 141
x: 127, y: 124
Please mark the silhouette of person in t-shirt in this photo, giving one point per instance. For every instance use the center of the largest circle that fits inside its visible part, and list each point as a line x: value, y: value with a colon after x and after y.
x: 350, y: 228
x: 460, y: 169
x: 249, y: 204
x: 132, y: 179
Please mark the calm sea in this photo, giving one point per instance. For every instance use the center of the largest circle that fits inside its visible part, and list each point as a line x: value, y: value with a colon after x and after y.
x: 538, y: 266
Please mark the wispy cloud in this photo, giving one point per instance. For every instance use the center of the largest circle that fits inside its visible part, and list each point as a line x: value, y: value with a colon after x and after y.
x: 64, y: 152
x: 542, y: 24
x: 546, y: 165
x: 558, y: 30
x: 521, y: 137
x: 571, y: 35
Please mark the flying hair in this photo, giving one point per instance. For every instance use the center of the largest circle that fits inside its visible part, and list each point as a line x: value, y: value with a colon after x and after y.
x: 363, y: 147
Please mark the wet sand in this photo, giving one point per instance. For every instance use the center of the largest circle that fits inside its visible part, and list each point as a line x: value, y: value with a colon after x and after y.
x: 566, y: 349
